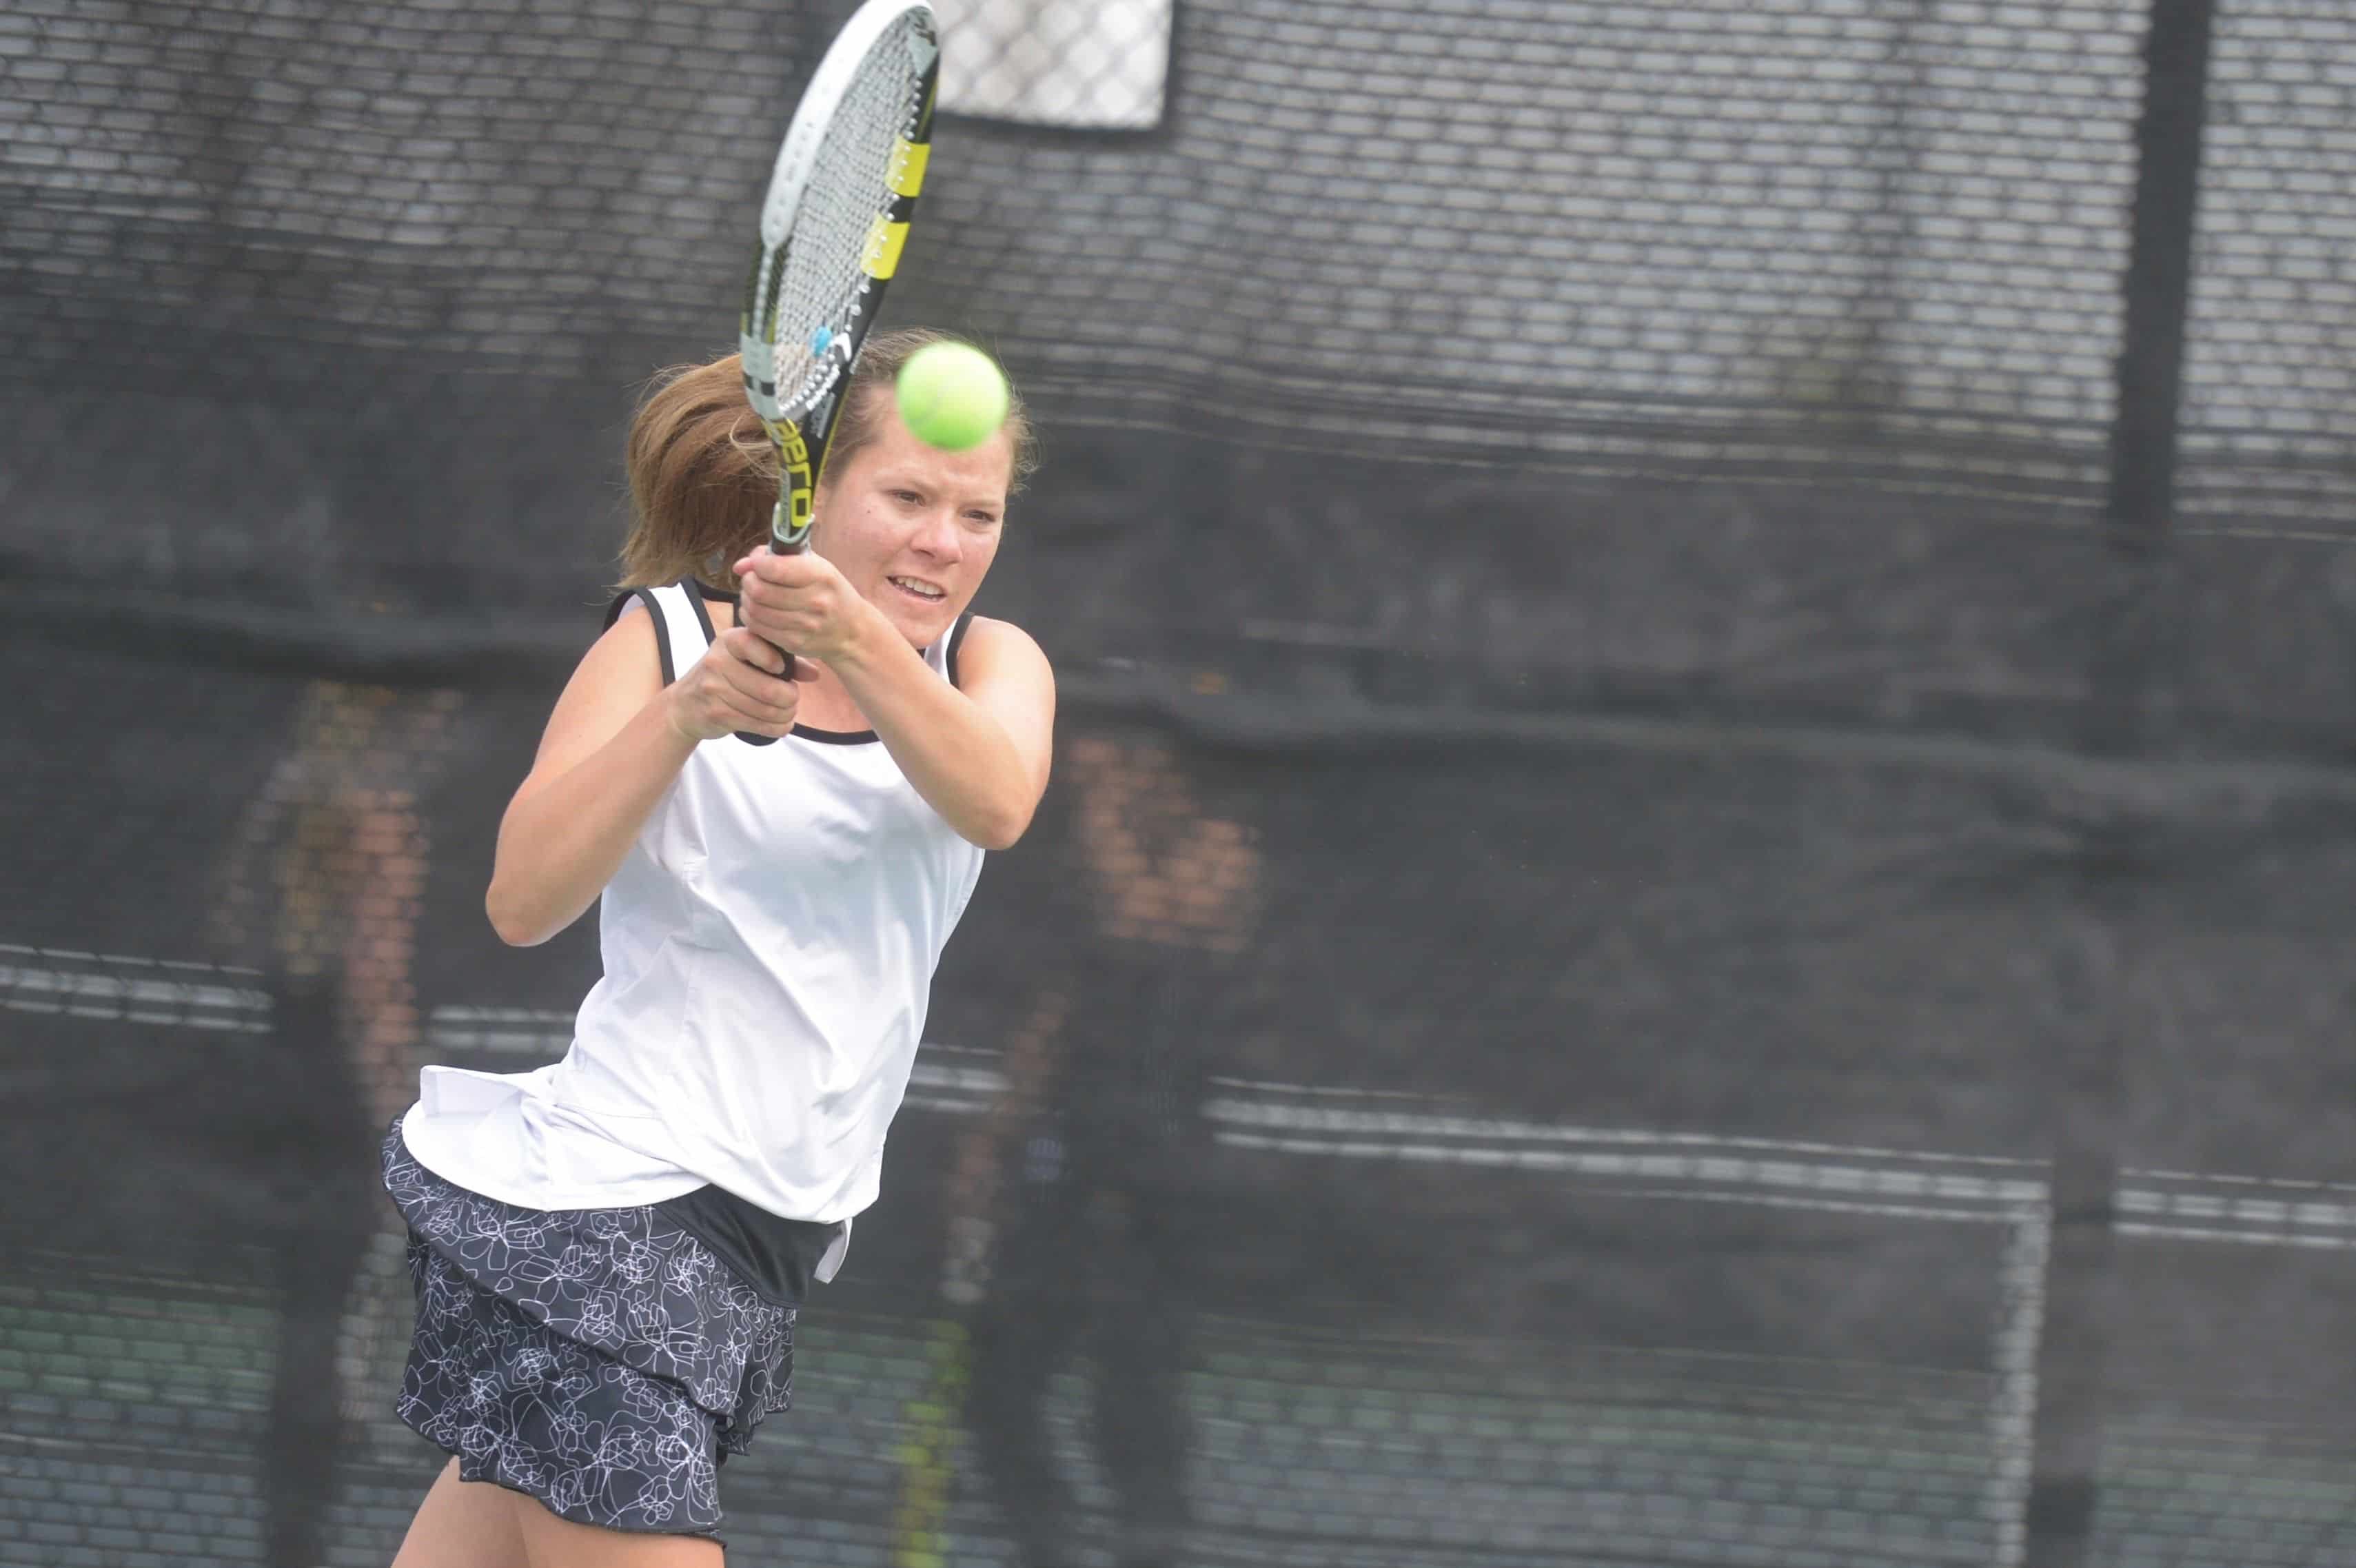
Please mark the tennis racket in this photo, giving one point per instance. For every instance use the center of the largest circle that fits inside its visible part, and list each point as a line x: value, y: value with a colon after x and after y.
x: 832, y: 227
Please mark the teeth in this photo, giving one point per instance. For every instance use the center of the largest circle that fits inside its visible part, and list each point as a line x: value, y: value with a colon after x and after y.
x: 924, y: 590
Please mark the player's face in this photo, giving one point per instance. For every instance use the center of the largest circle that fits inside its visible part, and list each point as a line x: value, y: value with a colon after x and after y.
x: 912, y: 528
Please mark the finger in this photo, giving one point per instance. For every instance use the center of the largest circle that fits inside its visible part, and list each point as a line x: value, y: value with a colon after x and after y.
x: 760, y: 589
x: 763, y: 601
x: 744, y: 710
x: 807, y: 670
x: 738, y: 724
x: 780, y: 629
x: 752, y: 593
x: 797, y: 570
x: 757, y: 691
x: 766, y: 565
x: 761, y: 652
x: 747, y: 646
x: 761, y: 685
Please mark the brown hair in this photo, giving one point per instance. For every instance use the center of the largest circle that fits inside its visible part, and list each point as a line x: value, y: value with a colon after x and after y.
x: 703, y: 477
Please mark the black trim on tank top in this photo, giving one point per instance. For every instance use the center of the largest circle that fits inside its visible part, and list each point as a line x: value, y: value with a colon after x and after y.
x: 776, y: 1257
x: 646, y: 596
x: 696, y: 594
x: 698, y: 591
x: 956, y: 640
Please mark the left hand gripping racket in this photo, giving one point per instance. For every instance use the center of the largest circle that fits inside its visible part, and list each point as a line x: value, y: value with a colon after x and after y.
x: 832, y: 227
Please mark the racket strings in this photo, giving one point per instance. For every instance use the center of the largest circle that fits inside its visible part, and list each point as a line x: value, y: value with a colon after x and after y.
x: 848, y: 190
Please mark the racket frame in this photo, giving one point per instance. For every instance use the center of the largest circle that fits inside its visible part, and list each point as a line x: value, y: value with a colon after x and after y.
x: 800, y: 421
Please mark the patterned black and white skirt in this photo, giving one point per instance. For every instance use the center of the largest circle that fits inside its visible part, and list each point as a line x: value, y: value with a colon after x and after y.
x: 602, y: 1360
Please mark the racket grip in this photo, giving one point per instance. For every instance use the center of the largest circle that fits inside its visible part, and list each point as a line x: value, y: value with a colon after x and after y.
x: 750, y: 740
x: 782, y: 541
x: 764, y: 740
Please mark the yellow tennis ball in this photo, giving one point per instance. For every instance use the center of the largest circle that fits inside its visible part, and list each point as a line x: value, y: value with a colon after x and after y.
x: 951, y: 396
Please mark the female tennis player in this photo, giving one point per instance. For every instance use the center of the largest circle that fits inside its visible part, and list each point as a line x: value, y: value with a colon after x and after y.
x: 609, y: 1252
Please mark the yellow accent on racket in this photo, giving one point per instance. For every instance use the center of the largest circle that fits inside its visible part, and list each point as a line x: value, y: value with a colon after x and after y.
x: 883, y: 243
x: 909, y: 161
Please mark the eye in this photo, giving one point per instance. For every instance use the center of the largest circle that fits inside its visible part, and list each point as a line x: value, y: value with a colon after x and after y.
x: 982, y: 518
x: 907, y: 497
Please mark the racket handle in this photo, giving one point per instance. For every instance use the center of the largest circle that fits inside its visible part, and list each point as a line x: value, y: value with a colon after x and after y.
x: 782, y: 541
x: 752, y: 740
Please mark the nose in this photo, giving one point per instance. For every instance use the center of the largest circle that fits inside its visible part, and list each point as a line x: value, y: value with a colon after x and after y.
x: 936, y: 535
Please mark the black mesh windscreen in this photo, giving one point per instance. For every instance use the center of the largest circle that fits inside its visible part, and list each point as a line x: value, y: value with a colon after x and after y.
x: 1693, y: 910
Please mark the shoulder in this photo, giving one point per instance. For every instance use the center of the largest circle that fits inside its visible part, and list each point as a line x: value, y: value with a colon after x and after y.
x: 630, y: 652
x: 620, y: 673
x: 677, y: 618
x: 632, y: 624
x: 999, y: 666
x: 1000, y: 647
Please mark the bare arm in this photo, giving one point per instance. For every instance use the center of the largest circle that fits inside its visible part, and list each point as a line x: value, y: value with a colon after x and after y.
x: 614, y: 743
x: 978, y: 752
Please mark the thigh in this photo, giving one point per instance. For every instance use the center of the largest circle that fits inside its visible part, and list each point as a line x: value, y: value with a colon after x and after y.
x: 463, y: 1524
x: 552, y: 1543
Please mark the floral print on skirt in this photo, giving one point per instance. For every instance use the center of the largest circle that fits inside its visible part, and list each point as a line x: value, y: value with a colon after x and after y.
x: 603, y: 1361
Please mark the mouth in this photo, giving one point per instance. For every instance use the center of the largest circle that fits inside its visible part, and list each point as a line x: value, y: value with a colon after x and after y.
x: 919, y: 590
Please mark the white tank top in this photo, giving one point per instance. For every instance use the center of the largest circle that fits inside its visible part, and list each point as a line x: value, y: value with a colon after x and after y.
x: 769, y: 943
